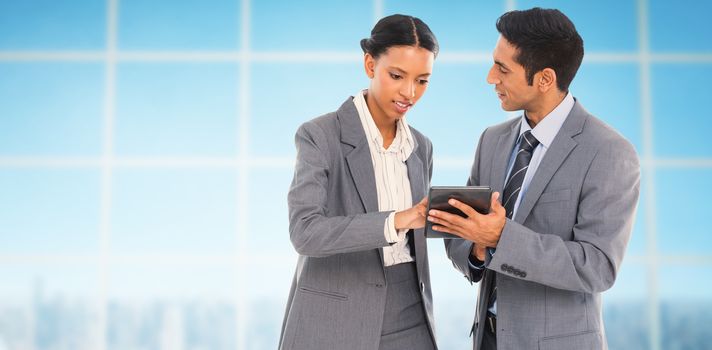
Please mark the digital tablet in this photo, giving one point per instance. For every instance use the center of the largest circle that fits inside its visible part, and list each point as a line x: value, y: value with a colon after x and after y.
x: 478, y: 197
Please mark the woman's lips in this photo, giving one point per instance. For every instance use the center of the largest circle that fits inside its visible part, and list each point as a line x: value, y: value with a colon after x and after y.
x: 402, y: 107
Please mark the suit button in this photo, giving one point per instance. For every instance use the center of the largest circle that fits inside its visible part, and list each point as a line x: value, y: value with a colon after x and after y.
x: 504, y: 267
x: 524, y: 274
x: 378, y: 285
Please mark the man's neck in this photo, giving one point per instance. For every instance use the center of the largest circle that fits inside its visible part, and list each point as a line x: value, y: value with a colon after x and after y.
x: 545, y: 105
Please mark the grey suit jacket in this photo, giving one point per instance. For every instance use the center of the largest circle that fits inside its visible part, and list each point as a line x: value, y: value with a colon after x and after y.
x: 338, y: 293
x: 566, y: 242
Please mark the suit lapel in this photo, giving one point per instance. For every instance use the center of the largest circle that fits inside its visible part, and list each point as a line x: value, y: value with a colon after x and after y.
x: 560, y: 149
x: 359, y: 157
x: 505, y: 143
x: 361, y: 167
x: 415, y: 176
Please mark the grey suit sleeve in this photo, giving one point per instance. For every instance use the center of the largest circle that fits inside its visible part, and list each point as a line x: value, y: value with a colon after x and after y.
x: 606, y: 210
x: 458, y: 250
x: 312, y: 231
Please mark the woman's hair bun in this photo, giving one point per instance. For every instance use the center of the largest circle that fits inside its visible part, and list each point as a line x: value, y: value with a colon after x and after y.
x: 399, y: 30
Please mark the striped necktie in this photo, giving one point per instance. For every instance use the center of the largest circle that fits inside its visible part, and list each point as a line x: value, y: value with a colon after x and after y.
x: 516, y: 177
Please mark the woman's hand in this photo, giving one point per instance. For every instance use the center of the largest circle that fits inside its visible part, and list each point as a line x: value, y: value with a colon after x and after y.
x: 412, y: 218
x: 478, y: 251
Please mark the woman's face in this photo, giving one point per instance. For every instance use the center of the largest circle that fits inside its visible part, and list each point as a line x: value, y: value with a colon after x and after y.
x: 399, y: 77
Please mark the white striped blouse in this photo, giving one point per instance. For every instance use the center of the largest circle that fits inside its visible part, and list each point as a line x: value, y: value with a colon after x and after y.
x: 392, y: 183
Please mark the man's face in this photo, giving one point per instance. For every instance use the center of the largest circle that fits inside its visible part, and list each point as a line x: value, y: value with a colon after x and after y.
x: 510, y: 79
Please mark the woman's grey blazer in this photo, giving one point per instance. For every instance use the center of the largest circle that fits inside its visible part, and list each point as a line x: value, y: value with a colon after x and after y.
x: 338, y: 293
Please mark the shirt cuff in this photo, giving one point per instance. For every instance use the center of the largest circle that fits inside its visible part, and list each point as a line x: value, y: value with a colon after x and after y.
x: 389, y: 230
x: 491, y: 251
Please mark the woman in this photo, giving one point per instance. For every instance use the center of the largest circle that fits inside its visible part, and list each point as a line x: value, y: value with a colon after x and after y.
x: 362, y: 279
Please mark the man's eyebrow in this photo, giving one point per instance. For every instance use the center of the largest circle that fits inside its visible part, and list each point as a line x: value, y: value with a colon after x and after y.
x: 501, y: 65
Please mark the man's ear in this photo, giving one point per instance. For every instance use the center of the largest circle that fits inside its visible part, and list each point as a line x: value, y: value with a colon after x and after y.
x: 545, y: 79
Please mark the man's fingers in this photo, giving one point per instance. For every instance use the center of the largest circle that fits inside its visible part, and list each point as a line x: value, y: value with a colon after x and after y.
x: 495, y: 205
x: 463, y: 207
x: 446, y: 218
x: 435, y: 220
x: 446, y: 230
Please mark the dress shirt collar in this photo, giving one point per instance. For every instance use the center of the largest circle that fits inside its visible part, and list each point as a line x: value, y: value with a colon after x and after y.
x: 548, y: 127
x: 403, y: 143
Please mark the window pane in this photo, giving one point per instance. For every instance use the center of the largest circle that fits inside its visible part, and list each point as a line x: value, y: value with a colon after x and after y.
x: 179, y: 25
x: 49, y: 306
x: 686, y: 306
x: 681, y: 128
x: 620, y: 32
x: 49, y: 211
x: 174, y: 211
x: 470, y: 27
x: 51, y: 109
x: 683, y: 231
x: 176, y: 109
x: 680, y: 26
x: 310, y: 24
x: 281, y: 101
x: 52, y: 25
x: 172, y: 307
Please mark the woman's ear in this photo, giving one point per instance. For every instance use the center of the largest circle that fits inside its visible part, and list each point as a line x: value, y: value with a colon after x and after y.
x: 369, y: 64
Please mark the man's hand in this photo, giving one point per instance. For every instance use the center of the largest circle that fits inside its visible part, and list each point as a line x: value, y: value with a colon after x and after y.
x: 412, y: 218
x: 484, y: 230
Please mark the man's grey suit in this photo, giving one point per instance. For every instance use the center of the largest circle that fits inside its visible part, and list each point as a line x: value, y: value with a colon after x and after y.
x: 567, y: 240
x: 338, y: 293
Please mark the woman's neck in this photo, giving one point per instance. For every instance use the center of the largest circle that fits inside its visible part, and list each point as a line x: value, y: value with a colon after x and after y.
x: 386, y: 126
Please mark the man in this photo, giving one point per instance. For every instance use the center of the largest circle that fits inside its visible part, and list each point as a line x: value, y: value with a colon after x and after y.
x: 555, y: 237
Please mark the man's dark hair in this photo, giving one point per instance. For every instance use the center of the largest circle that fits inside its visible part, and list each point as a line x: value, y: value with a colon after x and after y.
x: 545, y: 38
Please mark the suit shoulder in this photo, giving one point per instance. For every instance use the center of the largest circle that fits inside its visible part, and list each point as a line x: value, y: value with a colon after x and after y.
x: 602, y: 131
x: 420, y: 137
x: 322, y: 131
x: 602, y: 135
x: 502, y: 127
x: 326, y: 124
x: 324, y: 121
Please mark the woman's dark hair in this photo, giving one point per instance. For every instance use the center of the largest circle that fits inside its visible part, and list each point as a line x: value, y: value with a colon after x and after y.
x: 545, y: 38
x: 399, y: 30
